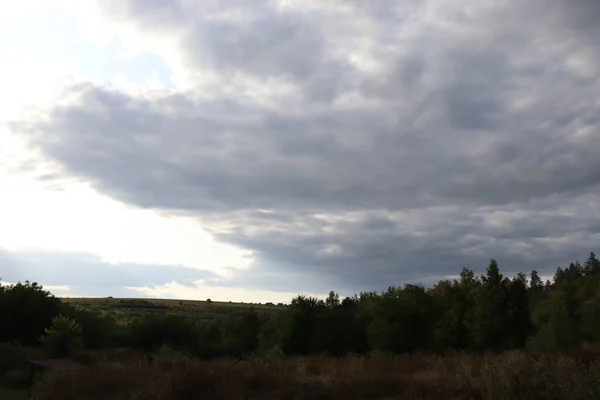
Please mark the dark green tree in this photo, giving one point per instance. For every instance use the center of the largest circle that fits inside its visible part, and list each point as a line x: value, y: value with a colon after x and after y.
x: 518, y: 320
x: 592, y: 265
x: 26, y: 310
x: 298, y: 325
x: 487, y: 321
x: 332, y: 300
x: 402, y: 320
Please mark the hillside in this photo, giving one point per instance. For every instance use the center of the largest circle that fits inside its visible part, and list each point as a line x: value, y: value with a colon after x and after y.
x: 125, y: 309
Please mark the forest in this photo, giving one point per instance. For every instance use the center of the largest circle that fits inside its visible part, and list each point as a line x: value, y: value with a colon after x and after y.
x: 487, y: 315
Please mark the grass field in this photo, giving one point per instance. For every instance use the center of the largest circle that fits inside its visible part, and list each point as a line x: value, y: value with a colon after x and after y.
x: 128, y: 308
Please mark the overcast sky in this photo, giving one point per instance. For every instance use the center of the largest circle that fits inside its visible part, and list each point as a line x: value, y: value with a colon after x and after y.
x: 252, y: 150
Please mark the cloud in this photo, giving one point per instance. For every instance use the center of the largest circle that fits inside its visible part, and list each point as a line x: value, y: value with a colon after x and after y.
x: 88, y: 274
x: 399, y: 143
x: 84, y: 275
x: 202, y: 291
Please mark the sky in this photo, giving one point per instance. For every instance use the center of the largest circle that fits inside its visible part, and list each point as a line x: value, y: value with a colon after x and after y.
x: 255, y: 150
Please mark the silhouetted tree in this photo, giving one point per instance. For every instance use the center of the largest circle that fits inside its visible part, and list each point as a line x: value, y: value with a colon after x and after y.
x: 592, y: 265
x: 26, y: 310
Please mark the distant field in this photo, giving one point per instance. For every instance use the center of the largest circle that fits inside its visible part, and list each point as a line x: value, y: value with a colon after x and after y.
x: 129, y: 308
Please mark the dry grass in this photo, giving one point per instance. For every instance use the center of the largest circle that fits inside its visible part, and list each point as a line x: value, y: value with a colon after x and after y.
x: 512, y: 375
x: 14, y: 374
x: 14, y: 355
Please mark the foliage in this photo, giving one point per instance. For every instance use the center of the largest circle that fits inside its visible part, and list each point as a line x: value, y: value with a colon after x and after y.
x: 63, y: 337
x: 26, y: 309
x: 490, y: 312
x: 98, y: 330
x: 153, y: 332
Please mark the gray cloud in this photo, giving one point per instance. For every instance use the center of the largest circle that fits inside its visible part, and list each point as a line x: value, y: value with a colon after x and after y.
x: 398, y: 143
x: 87, y: 274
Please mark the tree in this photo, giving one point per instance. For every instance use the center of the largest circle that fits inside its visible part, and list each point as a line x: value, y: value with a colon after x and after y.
x: 493, y: 277
x: 241, y: 334
x: 402, y: 320
x: 535, y: 282
x: 154, y: 331
x: 487, y: 320
x: 298, y: 325
x: 518, y: 319
x: 486, y: 312
x: 467, y: 277
x: 592, y: 265
x: 26, y: 310
x: 536, y: 287
x: 332, y: 300
x: 452, y: 300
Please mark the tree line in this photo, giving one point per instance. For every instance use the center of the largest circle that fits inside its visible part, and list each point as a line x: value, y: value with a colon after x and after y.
x: 490, y: 312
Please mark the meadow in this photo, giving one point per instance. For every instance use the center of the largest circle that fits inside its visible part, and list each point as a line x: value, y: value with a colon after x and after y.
x: 127, y: 309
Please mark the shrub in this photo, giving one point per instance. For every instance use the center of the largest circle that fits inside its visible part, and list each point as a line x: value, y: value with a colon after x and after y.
x: 152, y: 332
x: 63, y: 337
x: 511, y: 375
x: 13, y: 356
x: 98, y: 331
x: 25, y: 311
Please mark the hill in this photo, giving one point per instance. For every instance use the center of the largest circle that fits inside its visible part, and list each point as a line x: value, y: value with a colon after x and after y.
x: 125, y: 309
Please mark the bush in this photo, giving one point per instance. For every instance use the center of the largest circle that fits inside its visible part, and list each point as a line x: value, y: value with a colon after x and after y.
x: 150, y: 333
x: 98, y: 331
x: 26, y: 309
x: 63, y: 337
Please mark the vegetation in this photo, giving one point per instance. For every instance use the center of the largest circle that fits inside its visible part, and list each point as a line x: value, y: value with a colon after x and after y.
x: 127, y: 310
x: 26, y: 310
x: 63, y: 337
x: 511, y: 375
x: 515, y: 321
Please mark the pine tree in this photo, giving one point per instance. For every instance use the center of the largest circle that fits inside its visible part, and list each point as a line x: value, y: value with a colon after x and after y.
x: 592, y: 265
x: 487, y: 320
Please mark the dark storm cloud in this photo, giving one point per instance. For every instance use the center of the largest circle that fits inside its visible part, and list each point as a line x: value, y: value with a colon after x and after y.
x: 406, y: 140
x: 88, y: 275
x: 434, y: 244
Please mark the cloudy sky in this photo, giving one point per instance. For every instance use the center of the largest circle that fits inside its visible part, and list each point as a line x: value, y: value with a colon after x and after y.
x: 253, y: 150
